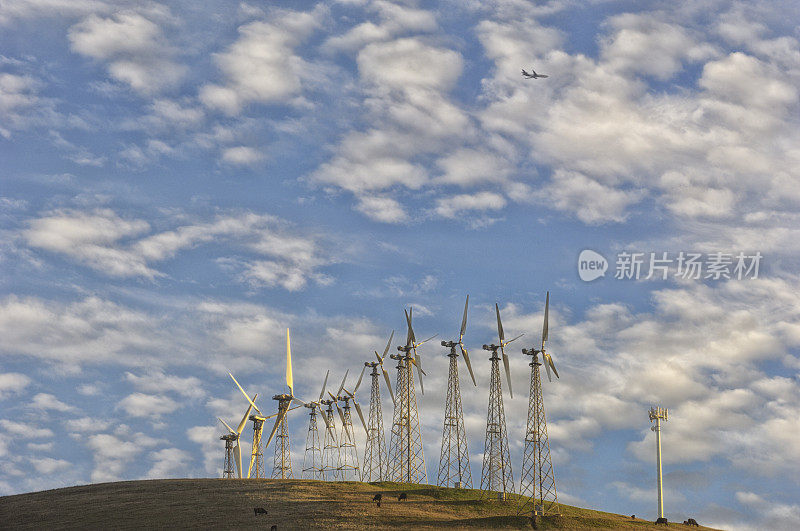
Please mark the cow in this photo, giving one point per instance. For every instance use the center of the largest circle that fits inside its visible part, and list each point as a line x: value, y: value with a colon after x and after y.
x: 633, y: 517
x: 662, y: 521
x: 403, y: 496
x: 259, y: 510
x: 377, y: 497
x: 692, y: 521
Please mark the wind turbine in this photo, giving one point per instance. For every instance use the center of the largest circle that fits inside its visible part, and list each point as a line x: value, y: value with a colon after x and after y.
x: 375, y: 459
x: 496, y: 474
x: 229, y: 438
x: 347, y: 447
x: 312, y: 439
x: 406, y: 457
x: 538, y: 480
x: 454, y: 457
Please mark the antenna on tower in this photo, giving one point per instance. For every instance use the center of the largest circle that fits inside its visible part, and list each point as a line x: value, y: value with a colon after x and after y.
x: 496, y: 474
x: 454, y: 458
x: 406, y: 458
x: 658, y: 414
x: 538, y: 482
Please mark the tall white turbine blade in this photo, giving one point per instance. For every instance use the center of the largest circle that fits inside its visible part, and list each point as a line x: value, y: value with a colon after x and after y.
x: 289, y: 379
x: 469, y: 365
x: 419, y: 373
x: 388, y: 383
x: 252, y: 402
x: 343, y: 380
x: 549, y: 364
x: 360, y: 376
x: 237, y: 455
x: 388, y: 345
x: 360, y: 415
x: 463, y: 321
x: 226, y: 425
x: 281, y: 415
x: 244, y: 419
x: 499, y: 323
x: 324, y: 383
x: 546, y: 314
x: 508, y: 373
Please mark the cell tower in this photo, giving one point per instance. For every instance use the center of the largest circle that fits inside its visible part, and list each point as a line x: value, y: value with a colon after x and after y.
x: 658, y: 414
x: 312, y: 459
x: 454, y: 458
x: 496, y: 474
x: 330, y: 449
x: 376, y: 462
x: 538, y: 482
x: 233, y: 454
x: 406, y: 458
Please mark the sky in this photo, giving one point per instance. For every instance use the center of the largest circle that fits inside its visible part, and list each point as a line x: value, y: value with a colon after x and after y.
x: 182, y: 181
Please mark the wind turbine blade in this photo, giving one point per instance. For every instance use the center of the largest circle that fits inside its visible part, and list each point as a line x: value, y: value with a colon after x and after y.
x: 343, y: 379
x: 341, y: 415
x: 388, y: 345
x: 469, y: 365
x: 508, y: 374
x: 237, y: 455
x: 410, y: 335
x: 322, y: 392
x: 388, y: 383
x: 289, y: 379
x: 380, y: 360
x: 360, y: 415
x: 294, y: 399
x: 226, y: 425
x: 499, y: 323
x: 510, y: 340
x: 252, y: 460
x: 546, y: 315
x: 549, y: 364
x: 420, y: 372
x: 281, y: 415
x: 360, y: 376
x: 327, y: 421
x: 421, y: 342
x: 244, y: 419
x: 464, y: 321
x: 252, y: 402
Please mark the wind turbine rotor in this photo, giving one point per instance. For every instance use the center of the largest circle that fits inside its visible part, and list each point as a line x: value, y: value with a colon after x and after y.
x: 338, y: 409
x: 388, y: 345
x: 289, y: 378
x: 360, y: 376
x: 469, y: 365
x: 546, y: 314
x: 246, y: 415
x: 281, y: 415
x: 226, y: 425
x: 358, y: 409
x: 463, y: 322
x: 343, y: 380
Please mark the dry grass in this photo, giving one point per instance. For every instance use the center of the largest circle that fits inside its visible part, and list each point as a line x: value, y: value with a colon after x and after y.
x: 292, y: 504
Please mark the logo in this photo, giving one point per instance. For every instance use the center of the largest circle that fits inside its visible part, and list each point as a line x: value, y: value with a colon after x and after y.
x: 591, y: 265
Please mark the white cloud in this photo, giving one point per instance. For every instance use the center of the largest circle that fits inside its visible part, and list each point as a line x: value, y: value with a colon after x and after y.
x: 150, y: 406
x: 22, y: 9
x: 49, y: 465
x: 242, y: 155
x: 591, y: 201
x: 134, y: 47
x: 395, y: 20
x: 86, y: 425
x: 45, y: 401
x: 451, y: 207
x: 262, y: 66
x: 169, y: 462
x: 772, y: 515
x: 21, y: 429
x: 12, y: 383
x: 158, y: 382
x: 383, y: 209
x: 113, y: 453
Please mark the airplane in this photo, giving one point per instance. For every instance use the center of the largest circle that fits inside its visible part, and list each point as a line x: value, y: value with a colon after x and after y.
x: 534, y: 75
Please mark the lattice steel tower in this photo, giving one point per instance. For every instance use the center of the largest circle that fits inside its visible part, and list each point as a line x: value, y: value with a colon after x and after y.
x: 330, y: 448
x: 406, y: 458
x: 312, y: 459
x: 349, y: 469
x: 256, y: 468
x: 496, y: 474
x: 454, y: 468
x: 227, y: 465
x: 538, y: 482
x: 376, y: 462
x: 282, y: 461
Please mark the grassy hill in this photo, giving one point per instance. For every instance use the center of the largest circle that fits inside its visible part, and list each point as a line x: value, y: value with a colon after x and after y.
x: 291, y: 504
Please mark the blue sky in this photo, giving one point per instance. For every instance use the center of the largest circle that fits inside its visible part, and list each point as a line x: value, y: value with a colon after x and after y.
x: 182, y: 181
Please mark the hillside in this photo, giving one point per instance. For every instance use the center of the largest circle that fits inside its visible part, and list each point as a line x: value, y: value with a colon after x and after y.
x: 292, y: 504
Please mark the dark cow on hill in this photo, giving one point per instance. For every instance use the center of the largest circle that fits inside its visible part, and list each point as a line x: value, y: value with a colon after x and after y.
x: 259, y: 510
x: 403, y: 496
x: 662, y: 521
x: 691, y: 521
